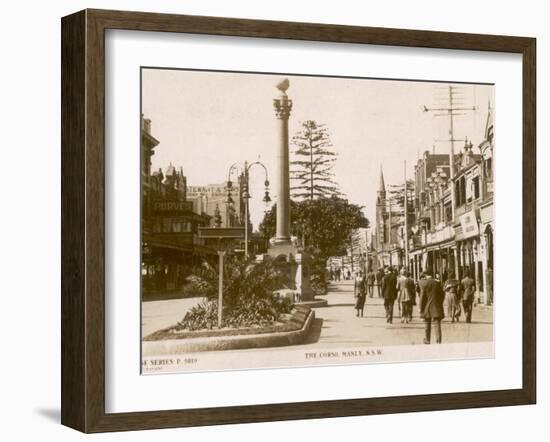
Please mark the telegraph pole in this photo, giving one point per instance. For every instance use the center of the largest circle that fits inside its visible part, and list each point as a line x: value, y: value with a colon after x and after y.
x: 246, y: 197
x: 389, y: 222
x: 406, y: 212
x: 452, y: 110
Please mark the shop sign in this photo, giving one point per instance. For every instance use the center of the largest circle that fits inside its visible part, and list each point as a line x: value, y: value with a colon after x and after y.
x: 210, y: 191
x: 172, y: 207
x: 468, y: 222
x: 486, y: 214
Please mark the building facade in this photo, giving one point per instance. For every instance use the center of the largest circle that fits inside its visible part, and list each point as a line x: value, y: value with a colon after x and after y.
x: 487, y: 223
x: 170, y: 242
x: 431, y: 242
x: 213, y: 198
x: 451, y: 230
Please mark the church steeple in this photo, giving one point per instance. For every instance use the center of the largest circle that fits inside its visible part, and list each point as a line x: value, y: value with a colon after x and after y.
x: 381, y: 232
x: 382, y: 187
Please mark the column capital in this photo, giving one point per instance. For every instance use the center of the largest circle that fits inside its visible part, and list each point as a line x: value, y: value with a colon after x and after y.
x: 283, y: 106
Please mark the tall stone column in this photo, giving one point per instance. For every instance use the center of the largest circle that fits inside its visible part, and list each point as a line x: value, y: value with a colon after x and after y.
x: 283, y: 106
x: 296, y: 264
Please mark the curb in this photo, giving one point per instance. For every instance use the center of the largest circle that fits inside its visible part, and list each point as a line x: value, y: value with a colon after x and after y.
x: 191, y: 345
x: 314, y: 303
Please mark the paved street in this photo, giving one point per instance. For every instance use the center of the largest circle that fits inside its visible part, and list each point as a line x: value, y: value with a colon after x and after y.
x: 156, y: 315
x: 337, y: 325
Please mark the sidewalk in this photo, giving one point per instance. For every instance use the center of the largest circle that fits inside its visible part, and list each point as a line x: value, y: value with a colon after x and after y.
x: 156, y: 315
x: 337, y: 325
x: 341, y: 326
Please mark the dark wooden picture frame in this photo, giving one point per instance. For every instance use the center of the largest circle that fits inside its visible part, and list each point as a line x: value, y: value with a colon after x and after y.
x: 83, y: 219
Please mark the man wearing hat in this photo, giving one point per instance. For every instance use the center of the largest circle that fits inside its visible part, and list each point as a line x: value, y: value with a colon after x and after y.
x: 389, y: 292
x: 406, y: 295
x: 431, y: 306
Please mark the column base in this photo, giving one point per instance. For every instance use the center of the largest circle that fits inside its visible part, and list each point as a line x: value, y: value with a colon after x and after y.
x: 281, y: 240
x: 295, y: 266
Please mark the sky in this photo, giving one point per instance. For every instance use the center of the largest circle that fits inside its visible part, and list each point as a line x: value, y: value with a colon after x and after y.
x: 207, y: 121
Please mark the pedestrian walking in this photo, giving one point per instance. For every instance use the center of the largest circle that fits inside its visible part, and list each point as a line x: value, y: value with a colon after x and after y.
x: 406, y: 295
x: 431, y: 307
x: 452, y: 298
x: 417, y: 288
x: 444, y: 276
x: 360, y: 293
x: 468, y: 289
x: 389, y: 292
x: 379, y: 276
x: 371, y: 278
x: 490, y: 286
x: 338, y: 273
x: 332, y: 274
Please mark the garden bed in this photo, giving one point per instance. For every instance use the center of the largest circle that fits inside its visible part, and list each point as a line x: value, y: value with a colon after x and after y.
x: 291, y: 322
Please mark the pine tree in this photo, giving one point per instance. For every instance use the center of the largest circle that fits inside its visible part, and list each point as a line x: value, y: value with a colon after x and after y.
x: 312, y: 171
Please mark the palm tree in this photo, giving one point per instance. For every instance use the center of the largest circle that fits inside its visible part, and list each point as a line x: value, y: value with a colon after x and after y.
x: 248, y: 297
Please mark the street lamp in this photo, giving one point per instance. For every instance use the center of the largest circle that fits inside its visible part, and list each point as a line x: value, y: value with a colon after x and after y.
x: 245, y: 194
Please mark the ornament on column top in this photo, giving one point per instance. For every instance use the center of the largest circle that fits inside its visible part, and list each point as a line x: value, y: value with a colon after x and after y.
x: 283, y: 105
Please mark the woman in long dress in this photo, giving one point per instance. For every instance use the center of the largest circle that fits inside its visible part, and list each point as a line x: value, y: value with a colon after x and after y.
x: 452, y: 298
x: 360, y: 293
x: 406, y: 295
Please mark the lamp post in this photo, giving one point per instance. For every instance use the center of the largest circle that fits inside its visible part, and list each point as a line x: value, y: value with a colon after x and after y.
x: 245, y: 194
x: 221, y: 254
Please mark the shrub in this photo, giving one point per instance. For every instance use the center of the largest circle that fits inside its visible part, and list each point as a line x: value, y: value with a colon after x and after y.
x: 318, y: 273
x: 248, y: 298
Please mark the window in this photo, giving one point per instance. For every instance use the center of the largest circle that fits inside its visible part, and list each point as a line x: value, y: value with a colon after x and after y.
x: 489, y: 167
x: 428, y: 224
x: 462, y: 191
x: 475, y: 187
x: 448, y: 212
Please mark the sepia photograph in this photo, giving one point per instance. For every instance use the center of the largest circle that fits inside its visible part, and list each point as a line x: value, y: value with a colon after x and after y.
x: 303, y: 220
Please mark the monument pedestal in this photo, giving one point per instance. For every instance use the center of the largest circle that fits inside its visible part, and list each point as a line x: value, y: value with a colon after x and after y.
x: 296, y: 267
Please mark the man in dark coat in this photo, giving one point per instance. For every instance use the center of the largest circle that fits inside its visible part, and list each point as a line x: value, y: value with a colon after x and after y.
x: 360, y: 293
x: 371, y: 277
x: 431, y: 306
x: 490, y: 299
x: 389, y: 292
x: 468, y: 289
x: 379, y: 276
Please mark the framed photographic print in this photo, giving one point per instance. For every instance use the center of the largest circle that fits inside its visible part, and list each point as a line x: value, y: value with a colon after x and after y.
x: 267, y: 221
